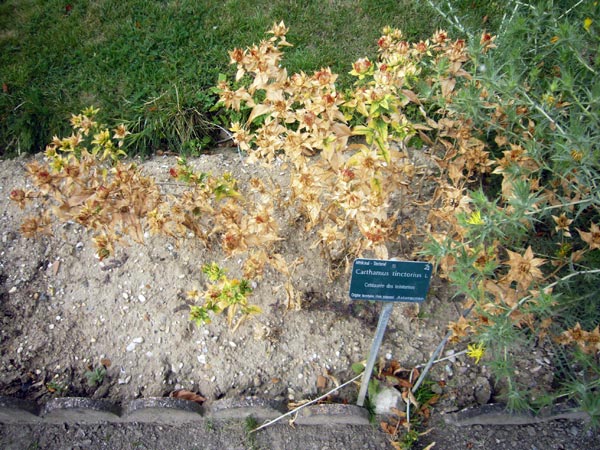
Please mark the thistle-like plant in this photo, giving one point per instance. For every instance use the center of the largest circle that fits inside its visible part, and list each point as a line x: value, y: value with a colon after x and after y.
x: 515, y: 230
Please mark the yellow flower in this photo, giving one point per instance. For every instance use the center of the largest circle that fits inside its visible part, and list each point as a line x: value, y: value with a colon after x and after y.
x: 577, y: 155
x: 549, y: 99
x: 476, y: 351
x: 475, y: 218
x: 554, y: 39
x: 587, y: 23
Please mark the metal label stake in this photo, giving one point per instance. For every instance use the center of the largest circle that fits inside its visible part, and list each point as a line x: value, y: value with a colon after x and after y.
x: 386, y: 312
x: 389, y: 281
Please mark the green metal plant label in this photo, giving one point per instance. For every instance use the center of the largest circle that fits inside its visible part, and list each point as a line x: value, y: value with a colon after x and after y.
x: 389, y: 280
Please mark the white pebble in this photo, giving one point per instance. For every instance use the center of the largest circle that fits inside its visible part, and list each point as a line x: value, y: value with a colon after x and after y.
x: 125, y: 295
x: 12, y: 290
x: 138, y: 340
x: 141, y: 298
x: 130, y: 347
x: 202, y: 359
x: 232, y: 344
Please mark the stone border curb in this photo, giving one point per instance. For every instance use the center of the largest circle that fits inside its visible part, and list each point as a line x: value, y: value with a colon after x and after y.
x: 332, y: 414
x: 15, y: 410
x: 163, y: 410
x: 496, y: 414
x: 81, y: 410
x: 168, y: 411
x: 259, y: 408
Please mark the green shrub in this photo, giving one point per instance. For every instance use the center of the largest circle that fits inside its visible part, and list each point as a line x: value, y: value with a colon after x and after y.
x: 525, y: 246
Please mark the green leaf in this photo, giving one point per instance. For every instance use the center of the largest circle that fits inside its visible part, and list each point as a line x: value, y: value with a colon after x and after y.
x: 358, y: 367
x: 373, y: 389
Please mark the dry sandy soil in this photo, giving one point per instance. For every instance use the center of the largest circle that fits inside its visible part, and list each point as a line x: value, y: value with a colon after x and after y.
x: 63, y: 313
x: 63, y: 310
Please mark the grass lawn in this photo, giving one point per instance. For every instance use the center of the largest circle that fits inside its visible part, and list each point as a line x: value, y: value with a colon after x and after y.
x: 151, y: 63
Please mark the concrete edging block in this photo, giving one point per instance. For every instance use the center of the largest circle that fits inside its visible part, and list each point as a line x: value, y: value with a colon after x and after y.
x: 239, y: 408
x: 497, y: 414
x: 333, y: 414
x: 16, y: 410
x: 165, y: 410
x: 80, y: 410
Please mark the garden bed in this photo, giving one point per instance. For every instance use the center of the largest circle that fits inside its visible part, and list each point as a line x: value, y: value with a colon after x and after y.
x: 66, y: 314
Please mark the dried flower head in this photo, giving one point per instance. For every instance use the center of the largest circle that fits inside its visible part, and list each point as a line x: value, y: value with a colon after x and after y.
x: 562, y: 224
x: 524, y: 269
x: 592, y: 237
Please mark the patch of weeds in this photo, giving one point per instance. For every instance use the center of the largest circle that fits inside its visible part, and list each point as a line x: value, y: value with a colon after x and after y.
x: 370, y: 407
x: 402, y: 426
x: 408, y: 440
x: 250, y: 424
x: 57, y: 388
x: 96, y: 376
x: 372, y: 390
x: 175, y: 121
x: 425, y: 393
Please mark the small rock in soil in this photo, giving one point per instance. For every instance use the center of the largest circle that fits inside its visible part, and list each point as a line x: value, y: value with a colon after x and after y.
x: 483, y: 390
x: 386, y: 400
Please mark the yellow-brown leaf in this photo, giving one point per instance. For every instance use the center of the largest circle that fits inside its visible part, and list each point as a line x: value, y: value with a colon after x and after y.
x: 188, y: 395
